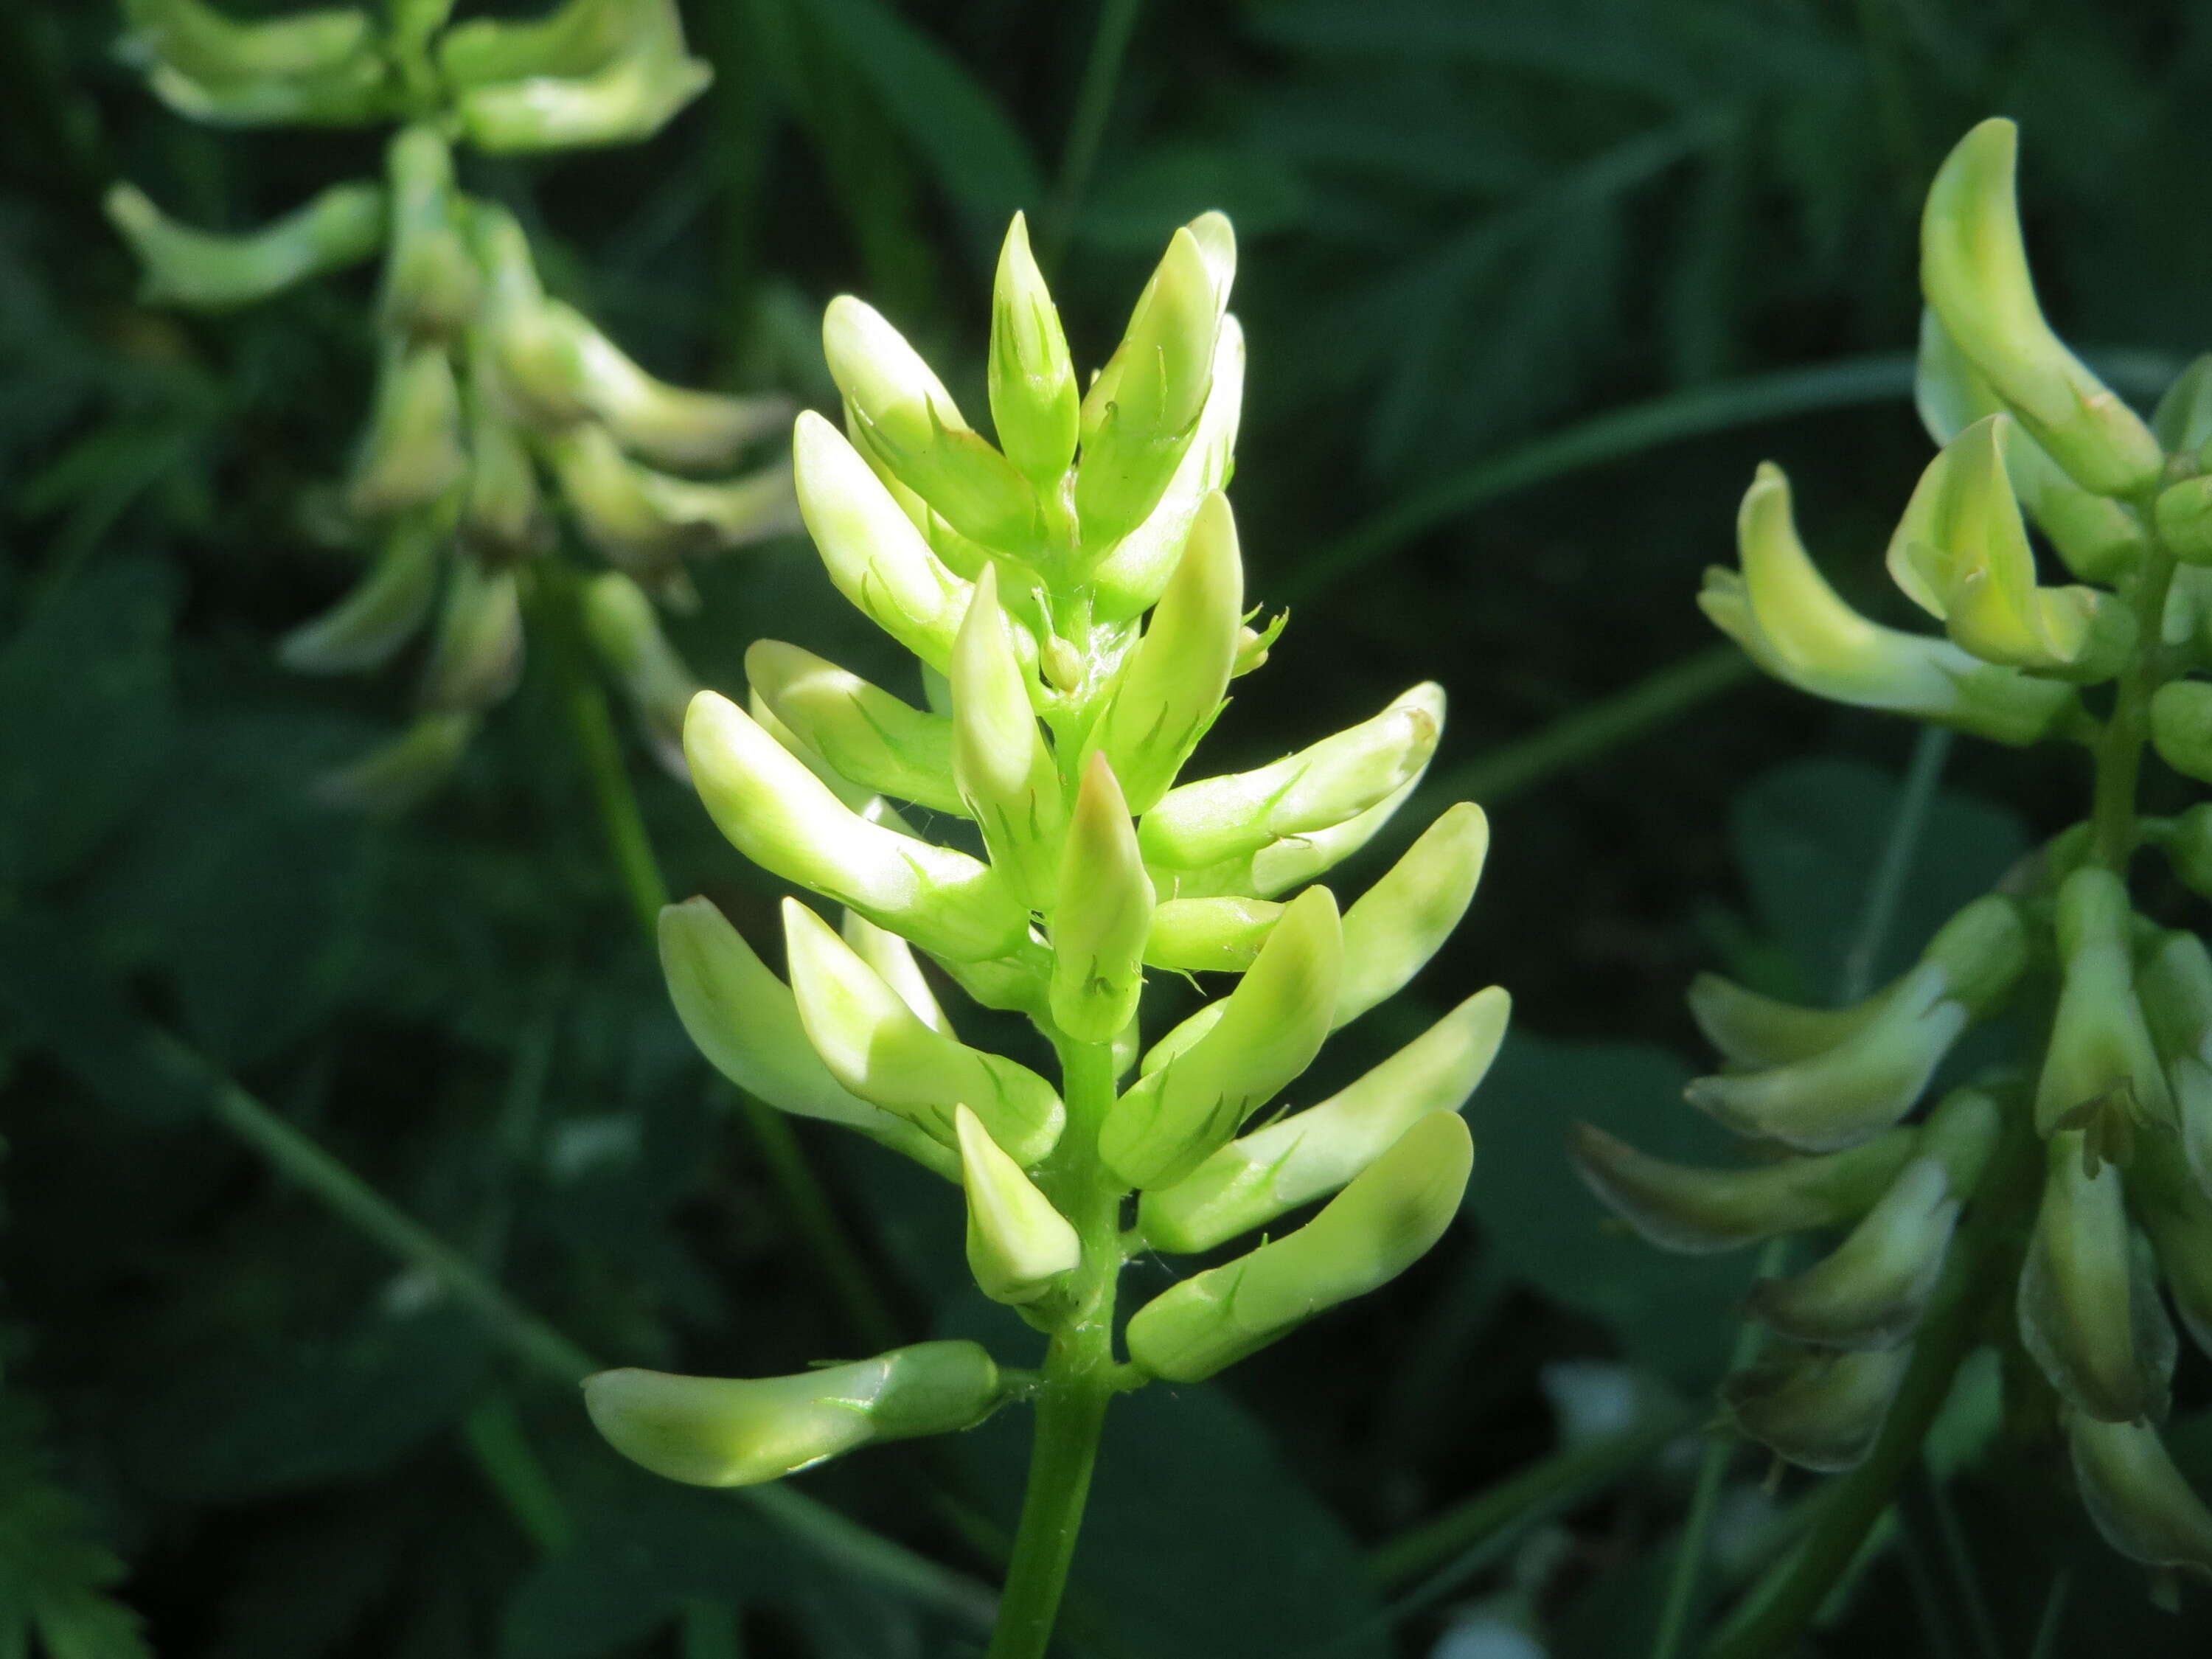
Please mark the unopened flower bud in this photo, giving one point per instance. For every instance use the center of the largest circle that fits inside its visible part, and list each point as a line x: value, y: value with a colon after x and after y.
x: 1871, y: 1290
x: 630, y: 98
x: 2167, y: 1195
x: 1172, y: 688
x: 1273, y: 1170
x: 644, y: 522
x: 2174, y: 986
x: 2140, y: 1501
x: 1142, y: 412
x: 1754, y: 1031
x: 198, y: 40
x: 475, y: 656
x: 575, y: 37
x: 1035, y: 404
x: 503, y: 516
x: 205, y: 271
x: 869, y: 736
x: 739, y: 1431
x: 625, y: 633
x: 2181, y: 727
x: 1293, y: 860
x: 2100, y: 1049
x: 2182, y: 422
x: 1210, y: 935
x: 431, y: 282
x: 876, y: 1045
x: 1853, y: 1091
x: 2184, y: 513
x: 745, y: 1020
x: 1983, y: 951
x: 861, y: 800
x: 1129, y: 577
x: 893, y: 959
x: 1018, y: 1246
x: 1393, y: 927
x: 365, y: 628
x: 404, y: 771
x: 2188, y: 847
x: 874, y: 553
x: 1790, y: 621
x: 2089, y: 1312
x: 779, y: 815
x: 908, y: 421
x: 2099, y: 539
x: 1102, y: 912
x: 411, y: 454
x: 1973, y: 269
x: 2192, y: 1080
x: 1004, y: 770
x: 1962, y: 554
x: 1819, y: 1409
x: 1381, y: 1223
x: 1700, y: 1212
x: 1269, y: 1029
x: 1335, y: 781
x: 1182, y: 1036
x: 668, y: 425
x: 321, y: 67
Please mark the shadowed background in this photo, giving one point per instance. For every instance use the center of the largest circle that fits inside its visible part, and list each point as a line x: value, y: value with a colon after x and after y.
x: 1529, y: 288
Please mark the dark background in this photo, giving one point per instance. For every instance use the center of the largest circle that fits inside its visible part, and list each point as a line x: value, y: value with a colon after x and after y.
x: 1465, y: 228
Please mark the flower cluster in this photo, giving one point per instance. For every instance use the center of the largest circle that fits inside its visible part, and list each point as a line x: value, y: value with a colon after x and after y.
x: 493, y: 400
x: 2092, y: 1162
x: 1075, y: 598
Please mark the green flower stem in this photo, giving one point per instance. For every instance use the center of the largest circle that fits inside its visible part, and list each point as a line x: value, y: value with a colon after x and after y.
x: 1618, y: 434
x: 851, y: 1545
x: 1080, y: 1374
x: 494, y: 1432
x: 1663, y: 695
x: 1983, y: 1260
x: 597, y: 747
x: 1569, y: 1476
x: 2118, y: 749
x: 805, y: 1202
x: 1930, y: 751
x: 1720, y: 1448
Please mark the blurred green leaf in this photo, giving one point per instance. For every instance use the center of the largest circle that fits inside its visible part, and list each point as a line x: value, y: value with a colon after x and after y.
x: 290, y: 1413
x: 1139, y: 207
x: 55, y: 1575
x: 643, y: 1547
x: 1809, y: 837
x: 976, y: 153
x: 89, y: 722
x: 1200, y: 1541
x: 1668, y: 1312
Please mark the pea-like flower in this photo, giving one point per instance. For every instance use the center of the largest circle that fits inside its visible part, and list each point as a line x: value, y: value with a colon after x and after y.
x: 2070, y: 1190
x: 499, y: 410
x: 1056, y: 740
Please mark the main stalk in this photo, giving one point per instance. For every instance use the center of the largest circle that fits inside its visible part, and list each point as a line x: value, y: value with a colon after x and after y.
x: 1080, y: 1376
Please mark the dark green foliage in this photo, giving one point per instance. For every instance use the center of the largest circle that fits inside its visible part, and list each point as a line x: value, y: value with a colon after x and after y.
x: 1464, y: 227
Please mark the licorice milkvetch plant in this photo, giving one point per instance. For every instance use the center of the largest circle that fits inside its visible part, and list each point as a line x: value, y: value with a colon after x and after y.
x: 488, y: 389
x: 2071, y: 1183
x: 1075, y: 598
